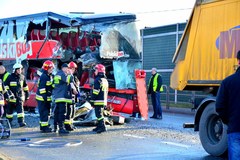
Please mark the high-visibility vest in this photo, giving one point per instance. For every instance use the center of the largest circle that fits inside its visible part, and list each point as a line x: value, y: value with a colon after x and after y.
x: 155, y: 83
x: 5, y: 76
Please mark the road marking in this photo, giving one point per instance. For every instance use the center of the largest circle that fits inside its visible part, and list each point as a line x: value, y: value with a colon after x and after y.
x: 72, y: 144
x: 176, y: 144
x: 41, y: 141
x: 134, y: 136
x: 34, y: 145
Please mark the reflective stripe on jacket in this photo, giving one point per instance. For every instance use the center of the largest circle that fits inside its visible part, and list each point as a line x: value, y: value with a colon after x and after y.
x: 17, y: 85
x: 44, y: 91
x: 61, y: 92
x: 100, y: 91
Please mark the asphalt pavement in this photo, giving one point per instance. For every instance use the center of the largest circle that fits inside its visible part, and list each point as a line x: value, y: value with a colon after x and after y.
x: 188, y: 111
x: 175, y: 110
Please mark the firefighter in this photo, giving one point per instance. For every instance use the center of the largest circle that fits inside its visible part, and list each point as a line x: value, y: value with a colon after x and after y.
x: 43, y: 95
x: 99, y: 96
x: 3, y: 76
x: 71, y: 107
x: 2, y: 92
x: 16, y: 83
x: 3, y: 73
x: 62, y: 96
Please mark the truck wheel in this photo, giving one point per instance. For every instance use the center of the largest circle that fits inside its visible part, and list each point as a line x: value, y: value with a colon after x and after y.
x: 212, y: 132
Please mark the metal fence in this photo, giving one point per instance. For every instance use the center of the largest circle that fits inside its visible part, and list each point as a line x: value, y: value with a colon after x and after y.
x: 180, y: 98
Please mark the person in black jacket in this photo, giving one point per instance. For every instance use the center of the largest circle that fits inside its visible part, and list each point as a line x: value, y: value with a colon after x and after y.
x: 71, y: 107
x: 3, y: 77
x: 99, y: 96
x: 2, y: 92
x: 16, y: 83
x: 63, y: 85
x: 44, y: 95
x: 228, y: 108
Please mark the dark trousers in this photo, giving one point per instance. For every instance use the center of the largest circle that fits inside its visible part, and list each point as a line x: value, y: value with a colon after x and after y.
x: 157, y: 109
x: 18, y: 106
x: 59, y: 114
x: 44, y: 112
x: 70, y: 112
x: 2, y: 111
x: 99, y: 112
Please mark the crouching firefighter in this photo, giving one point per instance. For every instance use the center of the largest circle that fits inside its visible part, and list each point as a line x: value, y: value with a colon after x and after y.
x: 62, y: 96
x: 16, y: 84
x: 99, y: 96
x: 71, y: 107
x: 43, y: 95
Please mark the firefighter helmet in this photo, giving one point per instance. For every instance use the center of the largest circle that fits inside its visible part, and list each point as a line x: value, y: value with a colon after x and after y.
x: 47, y: 65
x: 17, y: 65
x: 72, y: 65
x: 100, y: 68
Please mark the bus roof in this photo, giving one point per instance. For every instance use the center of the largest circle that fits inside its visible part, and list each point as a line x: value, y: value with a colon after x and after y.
x: 53, y: 17
x: 103, y: 18
x: 64, y: 20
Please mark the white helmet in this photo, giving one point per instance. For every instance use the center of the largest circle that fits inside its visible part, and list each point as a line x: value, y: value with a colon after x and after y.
x: 17, y: 65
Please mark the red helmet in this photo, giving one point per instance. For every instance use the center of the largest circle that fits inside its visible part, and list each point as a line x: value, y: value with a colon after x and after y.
x: 72, y: 65
x: 47, y: 65
x: 100, y: 68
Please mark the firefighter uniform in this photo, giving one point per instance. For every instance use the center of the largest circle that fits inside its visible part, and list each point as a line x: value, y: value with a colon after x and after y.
x: 62, y: 97
x: 71, y: 107
x: 16, y: 83
x: 2, y: 92
x: 99, y: 96
x: 3, y: 76
x: 44, y: 99
x: 44, y: 95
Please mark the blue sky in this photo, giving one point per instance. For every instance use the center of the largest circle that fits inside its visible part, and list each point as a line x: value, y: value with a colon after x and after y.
x: 150, y: 13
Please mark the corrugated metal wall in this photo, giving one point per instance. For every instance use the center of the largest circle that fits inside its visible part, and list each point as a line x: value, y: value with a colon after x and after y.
x: 159, y: 45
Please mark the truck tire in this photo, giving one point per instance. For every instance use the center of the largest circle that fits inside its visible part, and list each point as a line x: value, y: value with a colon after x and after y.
x: 212, y: 132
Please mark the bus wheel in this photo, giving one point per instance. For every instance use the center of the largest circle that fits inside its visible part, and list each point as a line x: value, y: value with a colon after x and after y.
x: 212, y: 132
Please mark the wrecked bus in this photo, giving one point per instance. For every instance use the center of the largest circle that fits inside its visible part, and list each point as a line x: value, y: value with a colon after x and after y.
x: 87, y: 39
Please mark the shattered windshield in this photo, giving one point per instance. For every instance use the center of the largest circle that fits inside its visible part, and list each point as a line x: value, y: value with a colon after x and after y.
x: 120, y: 41
x: 124, y: 73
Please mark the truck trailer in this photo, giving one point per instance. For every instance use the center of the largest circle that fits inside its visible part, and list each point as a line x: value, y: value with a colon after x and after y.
x: 206, y: 54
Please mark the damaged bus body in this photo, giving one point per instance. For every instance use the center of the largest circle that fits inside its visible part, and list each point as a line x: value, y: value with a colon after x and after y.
x: 87, y: 39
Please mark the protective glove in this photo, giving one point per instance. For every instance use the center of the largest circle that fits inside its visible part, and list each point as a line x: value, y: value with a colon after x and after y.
x: 78, y: 95
x: 91, y: 102
x: 45, y: 98
x: 10, y: 95
x: 6, y: 96
x: 26, y: 95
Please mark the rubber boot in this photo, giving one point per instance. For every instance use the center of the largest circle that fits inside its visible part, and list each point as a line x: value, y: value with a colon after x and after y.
x: 96, y: 128
x: 10, y: 121
x: 22, y: 124
x: 63, y: 131
x: 102, y: 127
x: 68, y: 127
x: 55, y: 128
x: 40, y: 127
x: 46, y: 129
